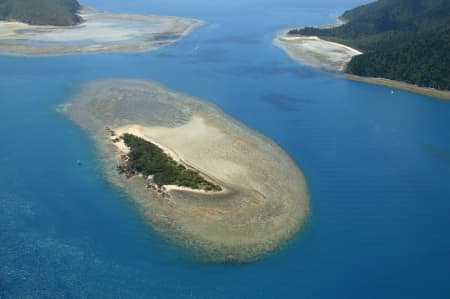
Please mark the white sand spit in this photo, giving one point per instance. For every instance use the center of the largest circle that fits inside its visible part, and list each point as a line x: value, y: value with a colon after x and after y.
x: 313, y: 51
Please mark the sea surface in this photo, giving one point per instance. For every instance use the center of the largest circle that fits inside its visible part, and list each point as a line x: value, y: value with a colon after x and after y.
x: 377, y: 164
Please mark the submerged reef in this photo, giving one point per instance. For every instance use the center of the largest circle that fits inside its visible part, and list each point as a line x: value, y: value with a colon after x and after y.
x: 263, y: 200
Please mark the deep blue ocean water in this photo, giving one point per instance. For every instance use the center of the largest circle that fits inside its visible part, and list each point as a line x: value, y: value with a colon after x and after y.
x: 377, y: 164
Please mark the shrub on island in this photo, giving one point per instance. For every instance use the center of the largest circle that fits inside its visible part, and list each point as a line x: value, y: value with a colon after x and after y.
x: 149, y: 160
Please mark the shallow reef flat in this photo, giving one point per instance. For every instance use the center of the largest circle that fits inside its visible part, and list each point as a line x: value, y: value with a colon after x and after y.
x: 99, y: 32
x: 264, y: 199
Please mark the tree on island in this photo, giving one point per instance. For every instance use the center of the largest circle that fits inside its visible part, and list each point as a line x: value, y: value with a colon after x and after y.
x: 149, y: 160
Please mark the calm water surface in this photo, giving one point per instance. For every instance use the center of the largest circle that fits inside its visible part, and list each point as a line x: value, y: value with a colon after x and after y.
x: 378, y: 167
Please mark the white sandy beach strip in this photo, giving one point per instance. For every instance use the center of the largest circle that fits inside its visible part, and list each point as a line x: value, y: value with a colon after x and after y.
x: 313, y: 51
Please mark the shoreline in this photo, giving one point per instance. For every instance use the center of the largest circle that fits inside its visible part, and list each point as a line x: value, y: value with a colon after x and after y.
x: 138, y: 131
x: 281, y: 37
x: 316, y: 38
x: 98, y: 32
x: 426, y: 91
x: 265, y: 202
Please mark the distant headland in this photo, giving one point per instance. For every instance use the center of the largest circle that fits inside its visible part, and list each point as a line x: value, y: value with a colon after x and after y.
x: 41, y: 12
x: 91, y: 31
x: 401, y: 43
x: 202, y: 179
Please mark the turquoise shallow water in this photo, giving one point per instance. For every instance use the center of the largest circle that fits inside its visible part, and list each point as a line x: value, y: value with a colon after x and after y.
x: 377, y: 164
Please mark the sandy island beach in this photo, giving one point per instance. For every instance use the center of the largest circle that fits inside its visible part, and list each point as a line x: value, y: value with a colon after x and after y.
x: 164, y: 137
x: 264, y: 201
x: 331, y: 56
x: 99, y: 32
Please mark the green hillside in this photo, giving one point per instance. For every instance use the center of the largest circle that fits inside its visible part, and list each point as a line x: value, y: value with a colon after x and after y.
x: 41, y: 12
x: 405, y: 40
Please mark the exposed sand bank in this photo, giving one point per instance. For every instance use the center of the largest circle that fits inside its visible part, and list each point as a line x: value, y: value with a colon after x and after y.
x: 265, y: 201
x: 313, y: 51
x: 99, y: 32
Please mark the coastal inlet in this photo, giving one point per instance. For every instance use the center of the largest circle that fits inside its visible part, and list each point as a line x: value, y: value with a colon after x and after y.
x: 201, y: 179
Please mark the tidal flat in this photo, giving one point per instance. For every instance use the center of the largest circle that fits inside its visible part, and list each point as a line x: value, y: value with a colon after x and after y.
x: 99, y: 32
x: 264, y: 201
x: 315, y: 52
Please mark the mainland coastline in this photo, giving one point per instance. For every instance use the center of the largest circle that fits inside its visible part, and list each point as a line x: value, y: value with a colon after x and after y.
x: 331, y: 56
x: 99, y: 32
x: 426, y: 91
x: 264, y: 198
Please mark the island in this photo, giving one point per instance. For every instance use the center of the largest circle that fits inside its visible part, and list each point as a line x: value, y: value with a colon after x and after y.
x: 41, y: 12
x: 400, y: 43
x: 59, y: 27
x: 146, y: 158
x: 203, y: 180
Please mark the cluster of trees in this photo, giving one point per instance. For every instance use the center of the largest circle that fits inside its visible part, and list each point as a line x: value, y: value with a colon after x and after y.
x: 41, y: 12
x: 405, y: 40
x: 148, y: 159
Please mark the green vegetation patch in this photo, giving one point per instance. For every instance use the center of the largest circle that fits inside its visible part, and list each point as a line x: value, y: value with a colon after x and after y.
x: 148, y: 159
x: 404, y: 40
x: 41, y: 12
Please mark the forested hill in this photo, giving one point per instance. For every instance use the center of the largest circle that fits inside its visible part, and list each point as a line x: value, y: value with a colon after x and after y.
x: 405, y: 40
x: 41, y: 12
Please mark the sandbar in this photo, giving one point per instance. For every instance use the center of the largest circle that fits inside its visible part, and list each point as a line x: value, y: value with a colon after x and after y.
x: 99, y: 32
x: 264, y: 201
x: 315, y: 52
